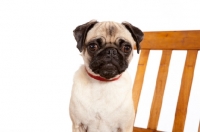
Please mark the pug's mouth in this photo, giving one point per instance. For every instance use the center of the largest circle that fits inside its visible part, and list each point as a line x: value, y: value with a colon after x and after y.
x: 107, y: 71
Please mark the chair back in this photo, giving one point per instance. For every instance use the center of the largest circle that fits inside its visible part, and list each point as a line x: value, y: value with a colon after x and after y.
x: 167, y: 41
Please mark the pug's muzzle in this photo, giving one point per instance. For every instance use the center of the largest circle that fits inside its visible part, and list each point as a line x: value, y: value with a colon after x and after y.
x: 108, y: 63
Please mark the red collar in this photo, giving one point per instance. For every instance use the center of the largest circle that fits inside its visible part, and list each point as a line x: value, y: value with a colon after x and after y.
x: 101, y: 78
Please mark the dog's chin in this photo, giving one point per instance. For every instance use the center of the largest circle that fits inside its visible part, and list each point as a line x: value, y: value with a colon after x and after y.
x: 108, y: 71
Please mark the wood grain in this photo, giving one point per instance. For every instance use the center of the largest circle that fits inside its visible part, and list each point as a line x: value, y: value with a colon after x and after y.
x: 159, y: 90
x: 136, y: 129
x: 184, y: 93
x: 171, y: 40
x: 137, y: 87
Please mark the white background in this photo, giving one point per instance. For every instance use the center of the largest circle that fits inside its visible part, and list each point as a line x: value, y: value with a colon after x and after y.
x: 38, y: 54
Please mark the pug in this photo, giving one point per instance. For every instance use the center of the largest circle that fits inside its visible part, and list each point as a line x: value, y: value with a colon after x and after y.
x: 101, y: 97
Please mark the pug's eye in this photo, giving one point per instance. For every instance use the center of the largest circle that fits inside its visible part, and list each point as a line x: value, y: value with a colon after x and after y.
x: 93, y: 47
x: 126, y: 48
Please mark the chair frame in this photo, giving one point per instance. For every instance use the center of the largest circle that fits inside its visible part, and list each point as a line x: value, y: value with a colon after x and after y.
x: 167, y: 41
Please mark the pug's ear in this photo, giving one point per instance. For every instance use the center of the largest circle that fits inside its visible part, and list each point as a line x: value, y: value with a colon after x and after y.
x: 136, y: 33
x: 81, y: 31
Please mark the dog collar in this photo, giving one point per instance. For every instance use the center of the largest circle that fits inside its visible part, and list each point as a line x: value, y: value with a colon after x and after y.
x: 101, y: 78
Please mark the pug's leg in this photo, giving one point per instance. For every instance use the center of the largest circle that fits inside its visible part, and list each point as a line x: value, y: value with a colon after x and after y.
x: 126, y: 128
x: 119, y: 130
x: 79, y: 128
x: 130, y: 129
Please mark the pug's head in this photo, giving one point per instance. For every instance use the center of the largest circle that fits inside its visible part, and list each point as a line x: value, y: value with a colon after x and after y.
x: 107, y: 47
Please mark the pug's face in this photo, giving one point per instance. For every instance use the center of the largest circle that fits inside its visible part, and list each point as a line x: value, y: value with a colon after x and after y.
x: 107, y: 47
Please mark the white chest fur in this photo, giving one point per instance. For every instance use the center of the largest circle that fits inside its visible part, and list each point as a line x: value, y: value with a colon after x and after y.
x: 98, y: 106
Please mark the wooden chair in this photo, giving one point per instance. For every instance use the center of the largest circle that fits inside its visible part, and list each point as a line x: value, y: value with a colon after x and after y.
x: 167, y: 41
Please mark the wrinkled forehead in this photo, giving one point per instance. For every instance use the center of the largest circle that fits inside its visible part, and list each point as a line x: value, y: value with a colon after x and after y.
x: 110, y: 31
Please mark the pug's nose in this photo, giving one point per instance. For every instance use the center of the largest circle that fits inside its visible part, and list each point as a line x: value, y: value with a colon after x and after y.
x: 111, y: 52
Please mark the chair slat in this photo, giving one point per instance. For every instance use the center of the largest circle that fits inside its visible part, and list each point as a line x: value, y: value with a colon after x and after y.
x: 171, y: 40
x: 199, y: 127
x: 159, y: 90
x: 136, y: 129
x: 137, y: 87
x: 184, y: 93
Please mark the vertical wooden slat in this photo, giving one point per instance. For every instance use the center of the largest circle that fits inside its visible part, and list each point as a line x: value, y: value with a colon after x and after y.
x: 199, y: 127
x: 159, y: 90
x: 186, y: 82
x: 137, y: 87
